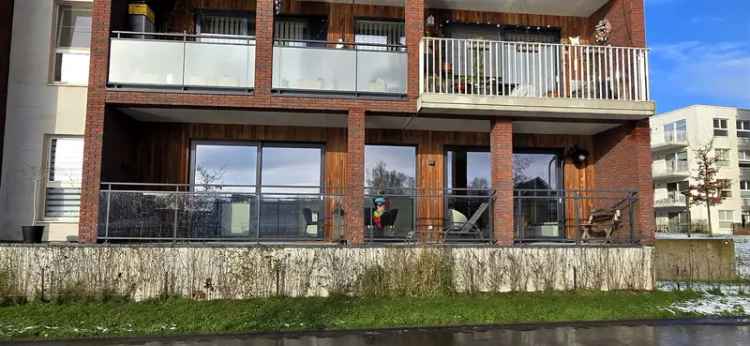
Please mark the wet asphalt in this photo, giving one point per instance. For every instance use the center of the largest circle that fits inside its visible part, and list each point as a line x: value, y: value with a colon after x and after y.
x: 714, y: 332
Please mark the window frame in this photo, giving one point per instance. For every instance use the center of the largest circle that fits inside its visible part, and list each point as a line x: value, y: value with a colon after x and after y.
x: 743, y: 128
x: 249, y: 15
x: 46, y: 184
x: 723, y: 127
x: 723, y: 157
x: 54, y: 42
x: 744, y: 185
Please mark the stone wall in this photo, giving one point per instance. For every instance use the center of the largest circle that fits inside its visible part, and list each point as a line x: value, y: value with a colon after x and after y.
x: 214, y: 272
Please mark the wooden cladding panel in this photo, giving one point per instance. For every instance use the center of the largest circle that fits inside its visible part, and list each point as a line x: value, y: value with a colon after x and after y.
x: 569, y: 26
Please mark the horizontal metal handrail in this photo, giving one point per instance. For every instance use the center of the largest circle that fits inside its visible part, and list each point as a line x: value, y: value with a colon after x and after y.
x: 325, y: 42
x: 522, y: 42
x: 118, y: 34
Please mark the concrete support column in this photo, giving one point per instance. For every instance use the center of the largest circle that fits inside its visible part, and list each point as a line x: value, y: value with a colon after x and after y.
x: 414, y: 18
x: 501, y: 146
x: 355, y: 177
x: 93, y: 136
x: 263, y: 47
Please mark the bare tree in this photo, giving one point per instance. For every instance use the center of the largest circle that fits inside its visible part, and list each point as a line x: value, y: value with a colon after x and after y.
x: 382, y: 180
x: 707, y: 189
x: 209, y: 177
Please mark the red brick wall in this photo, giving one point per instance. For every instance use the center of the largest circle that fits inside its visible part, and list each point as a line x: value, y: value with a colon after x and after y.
x: 95, y: 110
x: 6, y: 27
x: 627, y: 19
x: 501, y: 147
x: 355, y: 176
x: 623, y: 161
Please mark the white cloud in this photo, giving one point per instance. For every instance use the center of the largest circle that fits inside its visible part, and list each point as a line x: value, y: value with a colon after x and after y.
x: 718, y: 70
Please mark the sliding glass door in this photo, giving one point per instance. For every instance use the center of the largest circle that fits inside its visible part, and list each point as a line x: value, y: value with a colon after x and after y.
x: 539, y: 211
x: 468, y: 190
x: 259, y: 190
x: 390, y: 178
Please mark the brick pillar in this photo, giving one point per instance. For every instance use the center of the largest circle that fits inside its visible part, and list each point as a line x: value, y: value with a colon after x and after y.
x: 623, y: 162
x: 646, y: 218
x: 355, y: 176
x: 263, y: 47
x: 414, y: 17
x: 92, y: 152
x: 501, y: 146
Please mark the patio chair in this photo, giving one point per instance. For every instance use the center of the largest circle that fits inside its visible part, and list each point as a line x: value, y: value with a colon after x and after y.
x: 603, y: 221
x: 459, y: 225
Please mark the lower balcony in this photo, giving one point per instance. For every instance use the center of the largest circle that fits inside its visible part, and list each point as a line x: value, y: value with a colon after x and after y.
x: 559, y: 80
x: 181, y: 61
x: 230, y: 213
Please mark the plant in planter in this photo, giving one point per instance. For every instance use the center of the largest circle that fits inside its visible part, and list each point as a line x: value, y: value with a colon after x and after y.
x: 33, y: 232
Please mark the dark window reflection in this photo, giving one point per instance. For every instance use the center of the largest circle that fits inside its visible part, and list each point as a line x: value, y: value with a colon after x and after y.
x: 468, y: 190
x: 390, y: 179
x: 538, y: 207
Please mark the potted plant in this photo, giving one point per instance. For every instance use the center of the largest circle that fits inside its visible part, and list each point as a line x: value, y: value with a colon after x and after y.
x: 33, y: 233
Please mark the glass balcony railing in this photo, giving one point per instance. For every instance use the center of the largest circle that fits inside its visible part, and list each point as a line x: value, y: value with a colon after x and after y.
x: 182, y: 61
x: 339, y: 68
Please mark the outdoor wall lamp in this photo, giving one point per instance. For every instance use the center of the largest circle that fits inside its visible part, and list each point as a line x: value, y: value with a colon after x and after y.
x: 578, y: 155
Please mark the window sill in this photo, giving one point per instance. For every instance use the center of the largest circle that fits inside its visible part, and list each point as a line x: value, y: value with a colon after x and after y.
x: 63, y: 84
x: 47, y: 221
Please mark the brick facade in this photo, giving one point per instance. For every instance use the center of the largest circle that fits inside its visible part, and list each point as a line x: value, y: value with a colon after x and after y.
x: 616, y: 145
x: 355, y: 176
x: 501, y: 149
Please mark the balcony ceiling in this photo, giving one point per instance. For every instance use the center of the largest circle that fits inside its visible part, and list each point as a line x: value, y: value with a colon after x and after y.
x: 573, y: 8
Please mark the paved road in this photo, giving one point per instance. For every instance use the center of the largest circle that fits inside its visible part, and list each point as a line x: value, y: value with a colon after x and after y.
x: 706, y: 332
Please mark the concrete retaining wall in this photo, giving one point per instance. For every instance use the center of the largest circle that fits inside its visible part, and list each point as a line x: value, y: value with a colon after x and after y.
x: 695, y: 259
x: 742, y: 256
x: 242, y: 272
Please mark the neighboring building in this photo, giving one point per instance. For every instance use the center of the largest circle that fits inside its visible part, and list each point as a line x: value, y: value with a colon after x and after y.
x: 293, y: 120
x: 6, y: 18
x: 45, y: 117
x: 674, y: 137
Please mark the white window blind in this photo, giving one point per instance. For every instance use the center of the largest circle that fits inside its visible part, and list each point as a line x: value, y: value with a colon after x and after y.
x: 224, y: 25
x: 379, y: 32
x: 65, y: 170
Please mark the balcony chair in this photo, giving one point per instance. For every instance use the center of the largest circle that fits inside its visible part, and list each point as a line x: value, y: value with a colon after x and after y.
x: 458, y: 225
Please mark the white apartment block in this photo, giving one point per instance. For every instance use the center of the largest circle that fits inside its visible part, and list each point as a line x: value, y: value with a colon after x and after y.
x: 46, y: 111
x: 674, y: 137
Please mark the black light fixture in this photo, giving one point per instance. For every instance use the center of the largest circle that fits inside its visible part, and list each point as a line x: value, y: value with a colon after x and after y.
x: 578, y: 155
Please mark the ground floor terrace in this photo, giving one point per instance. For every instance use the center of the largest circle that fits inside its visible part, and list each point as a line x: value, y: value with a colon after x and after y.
x: 189, y: 174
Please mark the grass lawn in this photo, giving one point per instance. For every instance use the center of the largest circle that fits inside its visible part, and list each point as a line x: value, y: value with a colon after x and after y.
x: 180, y: 316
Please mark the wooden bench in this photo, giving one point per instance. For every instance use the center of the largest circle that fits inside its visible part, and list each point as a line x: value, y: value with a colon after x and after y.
x: 602, y: 222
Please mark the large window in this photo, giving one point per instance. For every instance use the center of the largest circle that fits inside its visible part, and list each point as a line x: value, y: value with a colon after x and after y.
x: 675, y: 131
x: 64, y: 173
x: 720, y: 127
x: 468, y: 184
x: 726, y: 218
x: 743, y: 128
x: 722, y: 157
x: 539, y: 212
x: 278, y: 185
x: 72, y: 42
x: 391, y: 175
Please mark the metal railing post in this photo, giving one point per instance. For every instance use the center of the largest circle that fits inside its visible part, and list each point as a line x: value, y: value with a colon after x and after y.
x: 176, y: 210
x: 106, y: 218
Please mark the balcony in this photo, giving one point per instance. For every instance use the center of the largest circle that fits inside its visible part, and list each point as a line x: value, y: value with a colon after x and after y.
x: 674, y: 201
x: 555, y: 79
x: 181, y: 61
x: 354, y: 69
x: 671, y: 171
x: 669, y: 143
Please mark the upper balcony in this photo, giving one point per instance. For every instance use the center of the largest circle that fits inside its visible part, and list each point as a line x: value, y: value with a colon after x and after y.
x: 670, y: 170
x: 555, y: 79
x: 669, y: 142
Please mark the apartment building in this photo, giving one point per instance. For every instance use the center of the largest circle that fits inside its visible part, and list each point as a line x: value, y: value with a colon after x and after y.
x: 45, y: 117
x: 357, y: 122
x: 674, y: 137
